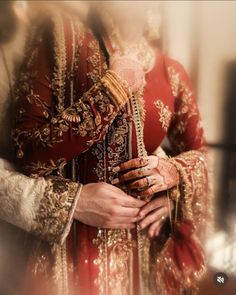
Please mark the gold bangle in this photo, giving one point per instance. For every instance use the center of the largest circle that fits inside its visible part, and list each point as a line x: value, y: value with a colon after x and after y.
x: 118, y: 94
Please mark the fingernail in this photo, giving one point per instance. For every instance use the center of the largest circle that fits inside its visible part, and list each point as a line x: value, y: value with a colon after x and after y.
x: 115, y: 181
x: 116, y: 169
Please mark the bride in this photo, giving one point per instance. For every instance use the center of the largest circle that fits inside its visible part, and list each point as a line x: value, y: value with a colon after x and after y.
x: 95, y: 97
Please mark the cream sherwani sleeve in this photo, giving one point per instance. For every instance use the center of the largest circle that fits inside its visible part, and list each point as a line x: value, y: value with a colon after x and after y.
x: 41, y: 206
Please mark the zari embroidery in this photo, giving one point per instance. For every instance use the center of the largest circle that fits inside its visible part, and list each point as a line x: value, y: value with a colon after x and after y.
x: 186, y: 110
x: 95, y: 61
x: 119, y: 241
x: 99, y: 151
x: 174, y: 80
x: 59, y: 75
x: 41, y: 169
x: 164, y: 114
x: 54, y: 209
x: 60, y: 269
x: 142, y: 239
x: 179, y: 87
x: 192, y: 168
x: 115, y: 246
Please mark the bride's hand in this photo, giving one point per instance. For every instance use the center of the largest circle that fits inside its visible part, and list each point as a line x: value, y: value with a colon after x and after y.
x: 146, y: 176
x: 154, y: 214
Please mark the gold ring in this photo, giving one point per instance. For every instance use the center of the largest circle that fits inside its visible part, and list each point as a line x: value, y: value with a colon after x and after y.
x: 142, y: 170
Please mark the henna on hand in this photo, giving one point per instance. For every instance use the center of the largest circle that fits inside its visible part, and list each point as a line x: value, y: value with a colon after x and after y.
x: 147, y: 176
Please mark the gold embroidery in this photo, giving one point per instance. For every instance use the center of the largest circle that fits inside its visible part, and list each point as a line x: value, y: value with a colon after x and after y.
x: 179, y: 87
x: 79, y: 37
x: 42, y: 169
x: 194, y: 206
x: 164, y: 114
x: 60, y: 269
x: 187, y: 278
x: 55, y: 208
x: 186, y: 109
x: 120, y: 245
x: 115, y: 257
x: 192, y: 168
x: 102, y: 261
x: 95, y: 60
x: 87, y: 122
x: 99, y: 151
x: 174, y: 80
x: 59, y: 75
x: 143, y: 241
x: 115, y: 246
x: 119, y: 241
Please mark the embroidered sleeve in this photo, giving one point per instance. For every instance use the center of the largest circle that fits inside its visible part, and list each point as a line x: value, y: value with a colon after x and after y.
x: 43, y: 207
x: 46, y: 136
x: 187, y: 140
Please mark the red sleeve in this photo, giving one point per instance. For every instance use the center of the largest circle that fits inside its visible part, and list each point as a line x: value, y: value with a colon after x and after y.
x: 185, y: 132
x: 188, y: 144
x: 46, y: 138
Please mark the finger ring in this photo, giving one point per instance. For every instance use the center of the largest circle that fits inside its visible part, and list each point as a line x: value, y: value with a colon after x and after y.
x: 142, y: 170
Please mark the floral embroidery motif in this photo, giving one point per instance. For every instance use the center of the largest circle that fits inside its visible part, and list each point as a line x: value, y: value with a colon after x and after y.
x: 85, y: 121
x: 55, y: 209
x: 95, y: 61
x: 164, y: 114
x: 193, y: 170
x: 114, y: 246
x: 186, y: 110
x: 99, y: 151
x: 41, y: 169
x: 174, y: 80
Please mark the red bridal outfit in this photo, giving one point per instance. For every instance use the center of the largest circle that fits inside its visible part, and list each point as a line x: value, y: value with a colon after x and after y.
x: 76, y: 119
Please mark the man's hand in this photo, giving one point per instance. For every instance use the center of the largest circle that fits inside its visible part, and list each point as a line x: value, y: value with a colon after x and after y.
x: 106, y: 206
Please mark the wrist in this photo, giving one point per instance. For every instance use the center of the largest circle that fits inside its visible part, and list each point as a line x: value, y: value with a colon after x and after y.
x: 79, y: 205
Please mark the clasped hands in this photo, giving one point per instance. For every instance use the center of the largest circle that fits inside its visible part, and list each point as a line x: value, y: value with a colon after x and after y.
x: 116, y: 205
